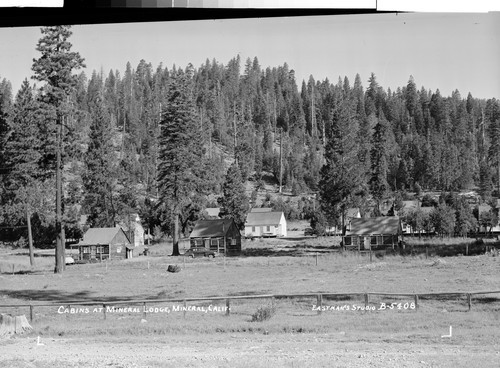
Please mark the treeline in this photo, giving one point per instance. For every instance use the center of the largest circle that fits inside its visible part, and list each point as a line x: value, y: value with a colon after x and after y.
x: 340, y: 140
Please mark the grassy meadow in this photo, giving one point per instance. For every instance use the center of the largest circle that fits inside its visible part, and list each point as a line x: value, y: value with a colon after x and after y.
x: 270, y: 266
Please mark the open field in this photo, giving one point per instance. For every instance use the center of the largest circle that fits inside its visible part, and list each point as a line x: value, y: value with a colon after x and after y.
x: 296, y: 335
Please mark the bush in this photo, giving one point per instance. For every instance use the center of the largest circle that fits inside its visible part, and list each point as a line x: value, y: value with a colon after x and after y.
x: 264, y: 313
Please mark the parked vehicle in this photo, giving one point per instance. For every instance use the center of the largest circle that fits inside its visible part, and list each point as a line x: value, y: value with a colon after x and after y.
x: 199, y: 252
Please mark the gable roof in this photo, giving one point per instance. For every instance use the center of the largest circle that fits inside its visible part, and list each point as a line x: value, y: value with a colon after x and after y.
x: 101, y: 235
x: 263, y: 218
x: 211, y: 228
x: 375, y: 225
x: 261, y: 209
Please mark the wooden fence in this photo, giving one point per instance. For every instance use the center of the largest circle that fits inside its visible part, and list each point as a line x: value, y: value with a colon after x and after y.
x: 318, y: 296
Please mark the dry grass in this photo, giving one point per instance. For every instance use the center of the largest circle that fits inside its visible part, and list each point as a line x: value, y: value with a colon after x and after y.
x: 288, y: 268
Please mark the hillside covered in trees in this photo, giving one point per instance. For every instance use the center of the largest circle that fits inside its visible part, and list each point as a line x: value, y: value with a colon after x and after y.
x: 348, y: 141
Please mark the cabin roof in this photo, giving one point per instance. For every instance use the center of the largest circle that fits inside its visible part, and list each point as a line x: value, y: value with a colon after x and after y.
x: 375, y: 225
x: 101, y: 235
x: 211, y: 228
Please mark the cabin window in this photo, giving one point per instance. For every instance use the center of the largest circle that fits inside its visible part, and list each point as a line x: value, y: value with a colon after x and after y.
x: 100, y: 249
x: 253, y: 229
x: 373, y: 240
x: 268, y: 228
x: 86, y: 250
x: 198, y: 242
x: 233, y: 241
x: 387, y: 239
x: 347, y: 240
x: 214, y: 242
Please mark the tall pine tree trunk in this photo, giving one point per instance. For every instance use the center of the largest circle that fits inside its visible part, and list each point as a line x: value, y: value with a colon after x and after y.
x: 175, y: 236
x: 30, y: 237
x: 59, y: 268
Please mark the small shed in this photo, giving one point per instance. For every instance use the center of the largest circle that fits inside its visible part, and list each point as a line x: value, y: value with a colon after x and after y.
x: 220, y: 235
x: 375, y: 232
x: 104, y: 243
x: 269, y: 223
x: 213, y: 212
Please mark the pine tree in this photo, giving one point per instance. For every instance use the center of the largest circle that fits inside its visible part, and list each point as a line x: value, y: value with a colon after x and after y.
x: 181, y: 154
x: 234, y: 202
x: 341, y: 179
x: 379, y: 168
x: 55, y: 68
x: 98, y: 178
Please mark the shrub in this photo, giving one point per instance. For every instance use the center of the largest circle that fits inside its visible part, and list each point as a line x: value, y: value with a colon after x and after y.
x: 264, y: 313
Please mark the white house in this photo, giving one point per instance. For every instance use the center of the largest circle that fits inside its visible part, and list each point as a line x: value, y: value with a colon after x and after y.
x: 267, y: 223
x: 132, y: 227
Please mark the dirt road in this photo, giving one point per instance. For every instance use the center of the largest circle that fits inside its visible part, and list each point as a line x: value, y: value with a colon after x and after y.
x: 241, y: 350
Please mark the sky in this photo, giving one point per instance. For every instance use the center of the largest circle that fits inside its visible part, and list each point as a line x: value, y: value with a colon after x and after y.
x: 441, y: 51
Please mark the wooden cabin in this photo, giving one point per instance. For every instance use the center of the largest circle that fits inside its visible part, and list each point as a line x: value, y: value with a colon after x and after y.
x: 373, y: 233
x: 104, y: 243
x: 220, y: 235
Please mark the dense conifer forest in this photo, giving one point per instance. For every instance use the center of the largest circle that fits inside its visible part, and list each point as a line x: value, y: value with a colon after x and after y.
x: 133, y: 138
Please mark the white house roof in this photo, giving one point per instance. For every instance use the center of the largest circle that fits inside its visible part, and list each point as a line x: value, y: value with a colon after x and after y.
x: 261, y: 209
x: 263, y: 218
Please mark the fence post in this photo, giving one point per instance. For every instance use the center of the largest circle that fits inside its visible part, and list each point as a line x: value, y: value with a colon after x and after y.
x: 31, y: 313
x: 228, y: 307
x: 416, y: 301
x: 144, y: 310
x: 367, y: 300
x: 316, y: 259
x: 469, y: 301
x: 319, y: 300
x: 104, y: 310
x: 184, y: 309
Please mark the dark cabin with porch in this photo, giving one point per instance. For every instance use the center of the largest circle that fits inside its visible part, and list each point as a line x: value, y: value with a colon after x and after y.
x: 104, y: 243
x: 373, y: 233
x: 220, y: 235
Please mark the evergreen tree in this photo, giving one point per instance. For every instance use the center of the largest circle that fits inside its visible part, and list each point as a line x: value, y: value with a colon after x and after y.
x: 55, y: 68
x: 181, y: 154
x: 234, y: 202
x: 379, y: 168
x: 341, y: 179
x: 98, y: 177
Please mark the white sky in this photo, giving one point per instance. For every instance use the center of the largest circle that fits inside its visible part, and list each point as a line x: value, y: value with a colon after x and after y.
x: 445, y: 51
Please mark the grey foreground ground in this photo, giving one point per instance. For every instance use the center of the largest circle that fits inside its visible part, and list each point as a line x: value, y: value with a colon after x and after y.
x: 241, y: 350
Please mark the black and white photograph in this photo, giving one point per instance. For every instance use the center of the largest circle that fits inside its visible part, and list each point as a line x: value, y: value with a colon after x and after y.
x: 260, y: 189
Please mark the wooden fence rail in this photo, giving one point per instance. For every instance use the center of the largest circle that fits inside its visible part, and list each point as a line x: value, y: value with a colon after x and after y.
x: 318, y: 296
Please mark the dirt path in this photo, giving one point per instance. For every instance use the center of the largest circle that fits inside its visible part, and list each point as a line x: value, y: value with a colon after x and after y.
x: 240, y: 350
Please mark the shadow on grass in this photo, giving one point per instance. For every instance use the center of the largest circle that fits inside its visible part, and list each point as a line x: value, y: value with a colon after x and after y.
x: 292, y: 251
x: 58, y: 296
x: 23, y: 272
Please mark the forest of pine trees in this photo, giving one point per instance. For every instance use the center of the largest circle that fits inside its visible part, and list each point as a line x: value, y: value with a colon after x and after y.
x: 345, y: 141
